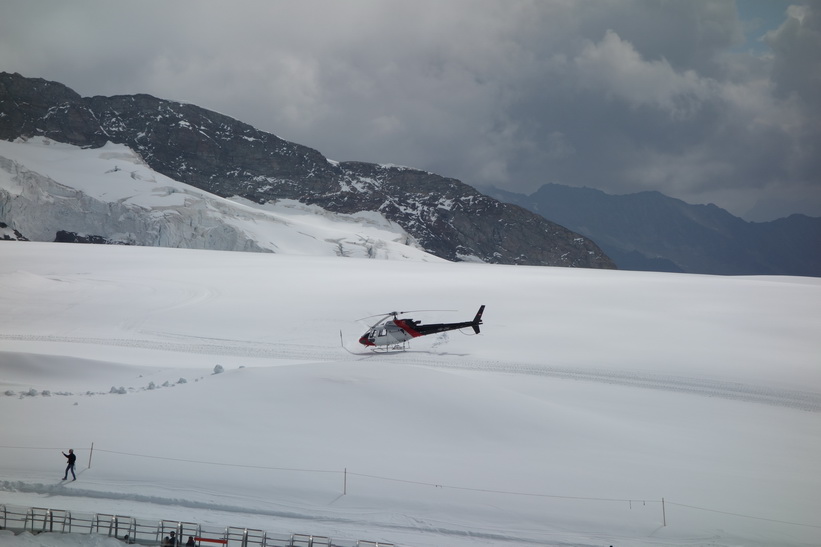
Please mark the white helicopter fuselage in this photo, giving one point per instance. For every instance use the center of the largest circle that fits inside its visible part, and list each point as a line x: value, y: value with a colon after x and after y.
x: 385, y: 334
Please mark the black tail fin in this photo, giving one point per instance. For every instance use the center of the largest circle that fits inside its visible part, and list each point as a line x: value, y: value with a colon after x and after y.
x: 478, y: 319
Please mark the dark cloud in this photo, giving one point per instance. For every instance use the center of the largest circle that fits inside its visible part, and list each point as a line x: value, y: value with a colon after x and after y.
x: 622, y: 95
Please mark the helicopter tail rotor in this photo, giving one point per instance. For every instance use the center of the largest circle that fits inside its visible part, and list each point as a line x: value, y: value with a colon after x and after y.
x: 478, y: 319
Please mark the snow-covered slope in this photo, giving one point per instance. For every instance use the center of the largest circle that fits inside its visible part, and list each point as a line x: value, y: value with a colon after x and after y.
x: 588, y: 397
x: 46, y: 186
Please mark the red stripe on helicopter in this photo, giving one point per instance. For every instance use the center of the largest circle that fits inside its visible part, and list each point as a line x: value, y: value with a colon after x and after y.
x: 404, y: 325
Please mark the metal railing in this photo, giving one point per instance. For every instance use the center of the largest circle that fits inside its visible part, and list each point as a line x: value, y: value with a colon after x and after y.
x: 132, y: 530
x: 39, y: 519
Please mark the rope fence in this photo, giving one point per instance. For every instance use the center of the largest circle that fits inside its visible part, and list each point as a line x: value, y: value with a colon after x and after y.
x: 345, y: 473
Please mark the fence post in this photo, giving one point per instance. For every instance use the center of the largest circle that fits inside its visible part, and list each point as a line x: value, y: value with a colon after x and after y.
x: 90, y: 453
x: 663, y: 512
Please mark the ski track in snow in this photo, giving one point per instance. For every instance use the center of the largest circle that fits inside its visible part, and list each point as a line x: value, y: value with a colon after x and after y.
x: 800, y: 400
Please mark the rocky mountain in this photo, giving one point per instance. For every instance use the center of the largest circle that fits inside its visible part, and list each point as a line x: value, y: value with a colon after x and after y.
x: 654, y: 232
x: 60, y: 192
x: 228, y: 158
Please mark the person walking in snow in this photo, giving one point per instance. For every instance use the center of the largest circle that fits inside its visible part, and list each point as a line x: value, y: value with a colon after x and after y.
x: 70, y: 467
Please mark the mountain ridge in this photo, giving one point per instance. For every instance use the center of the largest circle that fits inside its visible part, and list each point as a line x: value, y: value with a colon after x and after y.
x: 654, y: 232
x: 227, y: 157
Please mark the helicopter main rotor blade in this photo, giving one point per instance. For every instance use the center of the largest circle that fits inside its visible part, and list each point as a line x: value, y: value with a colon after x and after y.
x: 395, y: 313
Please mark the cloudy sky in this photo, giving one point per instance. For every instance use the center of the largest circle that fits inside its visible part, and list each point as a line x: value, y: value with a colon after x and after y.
x: 709, y: 101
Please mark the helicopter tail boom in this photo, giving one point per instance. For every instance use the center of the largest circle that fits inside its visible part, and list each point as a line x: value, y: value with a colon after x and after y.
x: 415, y: 329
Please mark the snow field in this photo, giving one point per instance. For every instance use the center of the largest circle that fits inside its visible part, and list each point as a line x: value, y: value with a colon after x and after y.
x: 588, y: 397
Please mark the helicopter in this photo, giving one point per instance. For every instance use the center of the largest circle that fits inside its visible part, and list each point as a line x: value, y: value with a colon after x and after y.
x: 391, y: 330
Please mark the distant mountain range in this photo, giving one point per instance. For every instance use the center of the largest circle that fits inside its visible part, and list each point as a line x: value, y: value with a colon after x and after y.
x: 231, y: 159
x: 654, y: 232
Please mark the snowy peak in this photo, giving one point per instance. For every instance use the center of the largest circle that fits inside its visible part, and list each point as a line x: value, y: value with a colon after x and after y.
x: 109, y: 195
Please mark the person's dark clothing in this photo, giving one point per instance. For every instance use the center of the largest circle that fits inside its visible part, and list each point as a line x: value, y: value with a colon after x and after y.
x: 72, y: 457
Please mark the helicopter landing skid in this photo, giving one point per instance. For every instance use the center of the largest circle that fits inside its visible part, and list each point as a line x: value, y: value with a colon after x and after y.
x: 386, y: 349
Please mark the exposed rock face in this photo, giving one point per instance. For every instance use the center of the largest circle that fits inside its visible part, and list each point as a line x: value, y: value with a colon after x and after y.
x: 73, y: 237
x: 9, y: 234
x: 226, y: 157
